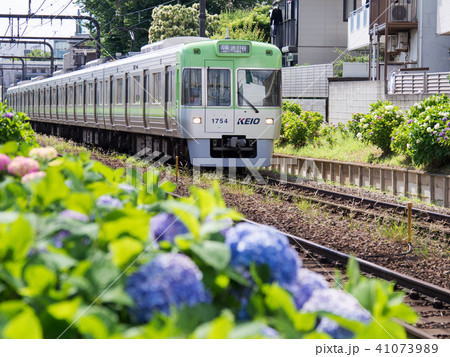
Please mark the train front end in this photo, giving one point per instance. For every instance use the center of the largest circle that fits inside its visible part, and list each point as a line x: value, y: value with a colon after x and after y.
x: 230, y: 102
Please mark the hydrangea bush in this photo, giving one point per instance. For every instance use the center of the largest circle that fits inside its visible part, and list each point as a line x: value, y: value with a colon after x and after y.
x: 377, y: 126
x: 86, y: 254
x: 424, y: 135
x: 298, y: 127
x: 15, y: 127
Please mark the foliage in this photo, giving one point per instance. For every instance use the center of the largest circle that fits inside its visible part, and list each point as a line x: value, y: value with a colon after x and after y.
x: 345, y: 56
x: 377, y: 126
x: 15, y: 127
x: 79, y: 259
x: 179, y: 20
x: 38, y: 53
x: 249, y: 24
x: 424, y: 136
x: 298, y: 127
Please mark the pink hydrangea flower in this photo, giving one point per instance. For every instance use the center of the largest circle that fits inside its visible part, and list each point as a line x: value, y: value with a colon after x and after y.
x: 33, y: 176
x: 4, y: 161
x: 46, y: 153
x: 20, y: 166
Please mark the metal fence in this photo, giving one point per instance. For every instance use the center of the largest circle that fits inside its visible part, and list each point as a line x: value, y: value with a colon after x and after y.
x: 416, y: 83
x: 306, y: 81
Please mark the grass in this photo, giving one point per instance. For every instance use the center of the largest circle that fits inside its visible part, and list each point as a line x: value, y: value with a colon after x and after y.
x: 343, y: 147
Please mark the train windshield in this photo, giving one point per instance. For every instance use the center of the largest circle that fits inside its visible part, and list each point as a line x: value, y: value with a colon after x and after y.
x: 259, y: 88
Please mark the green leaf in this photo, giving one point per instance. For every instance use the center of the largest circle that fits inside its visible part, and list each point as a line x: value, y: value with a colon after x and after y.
x: 65, y: 310
x: 218, y: 328
x: 251, y: 329
x: 17, y: 320
x: 80, y: 202
x: 125, y: 250
x: 50, y: 189
x: 38, y: 278
x: 382, y: 329
x: 215, y: 254
x: 91, y: 326
x: 15, y: 240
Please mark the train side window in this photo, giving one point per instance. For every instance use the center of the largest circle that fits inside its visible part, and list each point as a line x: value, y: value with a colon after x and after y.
x: 100, y: 92
x: 136, y: 90
x: 219, y: 87
x: 119, y: 90
x: 192, y: 87
x: 156, y: 88
x: 70, y: 96
x: 90, y: 94
x: 80, y: 94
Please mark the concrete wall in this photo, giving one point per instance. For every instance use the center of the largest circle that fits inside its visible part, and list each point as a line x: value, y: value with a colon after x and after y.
x: 346, y: 98
x: 434, y: 49
x: 320, y: 30
x: 443, y: 17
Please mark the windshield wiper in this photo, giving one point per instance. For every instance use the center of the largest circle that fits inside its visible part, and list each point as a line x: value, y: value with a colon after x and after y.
x: 246, y: 100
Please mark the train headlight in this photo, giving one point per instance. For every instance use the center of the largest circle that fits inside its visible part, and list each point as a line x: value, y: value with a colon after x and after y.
x: 269, y: 121
x: 196, y: 120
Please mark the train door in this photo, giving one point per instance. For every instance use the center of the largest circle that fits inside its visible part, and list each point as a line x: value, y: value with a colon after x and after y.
x: 219, y: 116
x: 145, y: 97
x: 169, y: 108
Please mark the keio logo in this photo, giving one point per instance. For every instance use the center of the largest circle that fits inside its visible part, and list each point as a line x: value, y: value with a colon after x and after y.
x: 248, y: 121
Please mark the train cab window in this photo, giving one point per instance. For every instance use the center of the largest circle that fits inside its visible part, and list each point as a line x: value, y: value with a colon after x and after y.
x: 155, y: 94
x: 259, y: 88
x: 192, y: 87
x: 119, y: 90
x: 219, y: 85
x: 136, y: 90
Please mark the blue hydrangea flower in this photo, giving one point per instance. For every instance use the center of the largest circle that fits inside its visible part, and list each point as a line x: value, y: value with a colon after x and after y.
x: 165, y: 226
x: 108, y: 201
x: 269, y: 332
x: 337, y: 302
x: 304, y: 285
x: 58, y: 239
x: 74, y: 215
x: 8, y: 115
x: 168, y: 280
x: 126, y: 187
x: 263, y: 245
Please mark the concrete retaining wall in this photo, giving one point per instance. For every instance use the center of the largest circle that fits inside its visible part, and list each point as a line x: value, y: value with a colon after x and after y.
x: 348, y: 97
x: 398, y: 182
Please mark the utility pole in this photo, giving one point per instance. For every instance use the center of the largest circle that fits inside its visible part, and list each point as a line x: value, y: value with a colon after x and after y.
x: 202, y: 19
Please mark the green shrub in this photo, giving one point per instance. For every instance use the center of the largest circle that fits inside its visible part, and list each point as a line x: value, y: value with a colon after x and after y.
x: 298, y: 127
x: 377, y: 126
x: 424, y: 136
x: 15, y: 127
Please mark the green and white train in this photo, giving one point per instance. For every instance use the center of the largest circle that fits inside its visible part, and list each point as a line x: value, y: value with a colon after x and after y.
x: 214, y: 102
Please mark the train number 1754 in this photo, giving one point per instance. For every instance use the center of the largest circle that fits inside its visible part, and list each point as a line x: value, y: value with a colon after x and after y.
x: 219, y: 120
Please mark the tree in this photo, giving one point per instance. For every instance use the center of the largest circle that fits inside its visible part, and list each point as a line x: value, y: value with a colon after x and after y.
x: 179, y: 20
x: 38, y: 53
x: 136, y: 16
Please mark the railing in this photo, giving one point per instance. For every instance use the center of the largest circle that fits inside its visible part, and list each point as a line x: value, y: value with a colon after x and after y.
x: 415, y: 83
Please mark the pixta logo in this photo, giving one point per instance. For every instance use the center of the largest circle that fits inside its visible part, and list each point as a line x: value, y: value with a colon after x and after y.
x: 248, y: 121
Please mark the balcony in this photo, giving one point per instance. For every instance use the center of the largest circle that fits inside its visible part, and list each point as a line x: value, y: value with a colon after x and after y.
x: 443, y: 17
x: 400, y: 15
x: 358, y: 29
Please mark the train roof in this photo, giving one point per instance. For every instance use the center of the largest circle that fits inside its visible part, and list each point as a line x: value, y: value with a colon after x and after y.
x: 165, y: 47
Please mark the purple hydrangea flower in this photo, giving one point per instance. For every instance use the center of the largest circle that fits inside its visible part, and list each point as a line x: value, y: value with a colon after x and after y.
x: 305, y: 284
x: 108, y: 201
x: 438, y: 139
x: 168, y: 280
x: 263, y: 245
x: 165, y: 226
x: 8, y: 115
x: 126, y: 187
x: 74, y: 215
x: 445, y: 137
x: 448, y: 124
x: 58, y: 239
x: 442, y: 134
x: 410, y: 121
x: 337, y: 302
x: 435, y: 132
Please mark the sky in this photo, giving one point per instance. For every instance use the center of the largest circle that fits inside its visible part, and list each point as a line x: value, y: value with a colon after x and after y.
x: 36, y: 27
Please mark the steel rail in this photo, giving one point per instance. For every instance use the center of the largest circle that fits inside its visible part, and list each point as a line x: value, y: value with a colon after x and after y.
x: 366, y: 201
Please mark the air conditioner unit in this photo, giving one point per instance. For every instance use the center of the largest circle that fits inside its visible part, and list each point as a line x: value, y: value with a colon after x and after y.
x: 402, y: 44
x: 399, y: 13
x: 392, y: 44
